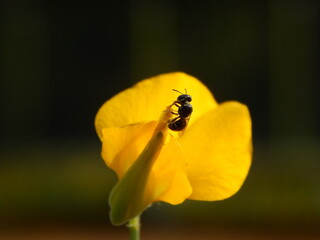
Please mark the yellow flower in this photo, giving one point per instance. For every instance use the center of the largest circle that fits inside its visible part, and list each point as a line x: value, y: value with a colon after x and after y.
x: 209, y: 161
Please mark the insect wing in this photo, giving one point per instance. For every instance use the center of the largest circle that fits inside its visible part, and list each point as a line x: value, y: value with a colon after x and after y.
x: 181, y: 133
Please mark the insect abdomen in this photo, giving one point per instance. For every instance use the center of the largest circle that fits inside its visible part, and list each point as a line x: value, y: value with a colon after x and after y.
x: 178, y: 125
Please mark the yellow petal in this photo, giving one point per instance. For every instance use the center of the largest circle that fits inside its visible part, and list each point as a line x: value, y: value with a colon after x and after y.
x: 218, y: 147
x: 122, y: 146
x: 146, y: 100
x: 158, y: 174
x: 168, y: 181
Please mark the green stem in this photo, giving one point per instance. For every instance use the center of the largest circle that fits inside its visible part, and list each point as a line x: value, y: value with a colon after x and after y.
x: 134, y: 228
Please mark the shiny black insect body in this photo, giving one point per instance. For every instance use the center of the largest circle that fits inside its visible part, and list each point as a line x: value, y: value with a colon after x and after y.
x: 177, y: 124
x: 184, y: 111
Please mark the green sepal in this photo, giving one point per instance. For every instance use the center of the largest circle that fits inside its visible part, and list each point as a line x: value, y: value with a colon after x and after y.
x: 127, y: 198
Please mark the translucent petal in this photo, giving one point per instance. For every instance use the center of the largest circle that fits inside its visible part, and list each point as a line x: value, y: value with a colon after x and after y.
x: 148, y: 98
x: 218, y: 149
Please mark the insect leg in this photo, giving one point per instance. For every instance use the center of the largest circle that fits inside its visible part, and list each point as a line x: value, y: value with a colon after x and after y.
x: 174, y: 119
x: 175, y: 103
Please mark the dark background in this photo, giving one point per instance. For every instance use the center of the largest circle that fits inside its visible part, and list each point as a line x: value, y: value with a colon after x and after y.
x: 61, y: 60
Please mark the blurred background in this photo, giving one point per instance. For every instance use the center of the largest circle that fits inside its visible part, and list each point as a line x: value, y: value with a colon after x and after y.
x: 61, y: 60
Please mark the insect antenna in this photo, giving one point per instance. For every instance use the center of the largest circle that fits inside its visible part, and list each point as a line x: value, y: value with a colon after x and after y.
x: 177, y: 91
x: 180, y: 92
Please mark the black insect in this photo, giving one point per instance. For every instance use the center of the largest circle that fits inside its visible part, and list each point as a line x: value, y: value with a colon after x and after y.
x: 184, y: 111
